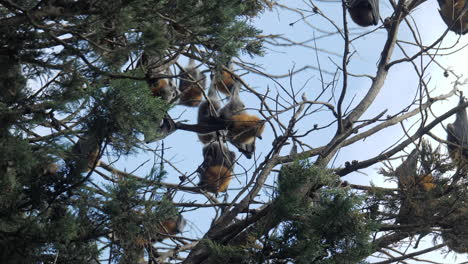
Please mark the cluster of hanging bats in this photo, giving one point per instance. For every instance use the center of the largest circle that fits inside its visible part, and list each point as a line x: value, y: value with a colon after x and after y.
x: 453, y: 12
x: 418, y: 200
x: 457, y: 145
x: 233, y: 124
x: 240, y: 128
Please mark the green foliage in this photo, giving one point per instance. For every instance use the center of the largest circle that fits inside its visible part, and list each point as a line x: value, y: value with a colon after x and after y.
x: 293, y: 177
x: 125, y: 111
x: 430, y: 161
x: 422, y: 191
x: 37, y: 217
x: 12, y: 83
x: 221, y: 25
x: 72, y: 74
x: 67, y: 91
x: 332, y: 230
x: 328, y: 229
x: 135, y: 219
x: 228, y: 254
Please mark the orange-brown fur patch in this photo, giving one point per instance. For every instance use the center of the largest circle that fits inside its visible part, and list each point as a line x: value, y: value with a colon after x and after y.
x: 169, y: 227
x: 191, y: 96
x: 93, y: 159
x: 427, y: 182
x: 216, y: 179
x: 51, y: 169
x: 160, y: 84
x: 225, y: 85
x: 243, y: 128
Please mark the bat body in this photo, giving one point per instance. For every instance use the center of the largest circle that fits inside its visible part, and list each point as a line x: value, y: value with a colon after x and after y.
x: 163, y: 87
x: 450, y: 11
x: 85, y: 155
x: 173, y: 225
x: 457, y: 135
x: 157, y: 71
x: 225, y: 82
x: 216, y: 170
x: 191, y: 85
x: 208, y: 113
x: 364, y: 12
x: 243, y: 128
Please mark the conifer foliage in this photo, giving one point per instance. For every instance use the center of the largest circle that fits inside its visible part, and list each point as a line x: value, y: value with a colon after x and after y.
x: 92, y: 102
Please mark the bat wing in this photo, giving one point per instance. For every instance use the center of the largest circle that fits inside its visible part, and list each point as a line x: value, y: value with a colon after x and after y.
x: 406, y: 172
x: 365, y: 6
x: 375, y: 10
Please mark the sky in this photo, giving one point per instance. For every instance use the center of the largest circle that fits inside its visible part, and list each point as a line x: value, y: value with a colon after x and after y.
x: 185, y: 151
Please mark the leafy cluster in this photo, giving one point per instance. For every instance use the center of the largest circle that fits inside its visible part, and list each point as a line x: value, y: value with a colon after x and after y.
x: 70, y: 72
x: 134, y: 216
x: 329, y: 227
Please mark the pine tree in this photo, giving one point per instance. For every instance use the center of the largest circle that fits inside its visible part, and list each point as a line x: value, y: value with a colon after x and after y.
x: 82, y: 81
x: 92, y: 101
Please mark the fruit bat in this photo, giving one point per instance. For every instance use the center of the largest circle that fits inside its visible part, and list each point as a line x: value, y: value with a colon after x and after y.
x: 216, y: 170
x: 457, y: 136
x: 192, y: 83
x: 364, y: 12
